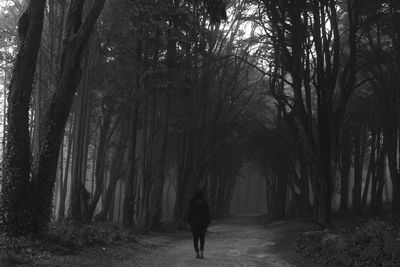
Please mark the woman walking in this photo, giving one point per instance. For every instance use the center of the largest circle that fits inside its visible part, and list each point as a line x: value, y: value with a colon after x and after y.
x: 199, y: 219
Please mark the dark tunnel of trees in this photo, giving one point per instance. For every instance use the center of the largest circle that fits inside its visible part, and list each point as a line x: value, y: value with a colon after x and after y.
x: 116, y: 107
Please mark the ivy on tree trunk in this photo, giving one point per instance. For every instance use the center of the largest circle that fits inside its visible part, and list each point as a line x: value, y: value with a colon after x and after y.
x: 16, y: 195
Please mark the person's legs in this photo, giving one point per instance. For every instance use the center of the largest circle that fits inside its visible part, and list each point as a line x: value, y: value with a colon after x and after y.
x: 202, y: 240
x: 196, y: 243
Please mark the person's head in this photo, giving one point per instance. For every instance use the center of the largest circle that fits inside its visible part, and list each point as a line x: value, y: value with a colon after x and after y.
x: 198, y: 194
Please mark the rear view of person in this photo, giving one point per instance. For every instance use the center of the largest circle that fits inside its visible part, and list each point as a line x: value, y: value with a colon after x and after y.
x: 199, y: 219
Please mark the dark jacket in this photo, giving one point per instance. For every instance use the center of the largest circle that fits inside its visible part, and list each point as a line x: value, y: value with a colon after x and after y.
x: 199, y: 216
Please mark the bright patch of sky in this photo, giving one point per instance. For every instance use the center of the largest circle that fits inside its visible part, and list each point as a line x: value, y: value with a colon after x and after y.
x: 4, y: 3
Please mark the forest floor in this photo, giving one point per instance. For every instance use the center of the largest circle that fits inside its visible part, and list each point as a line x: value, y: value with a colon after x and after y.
x: 239, y: 241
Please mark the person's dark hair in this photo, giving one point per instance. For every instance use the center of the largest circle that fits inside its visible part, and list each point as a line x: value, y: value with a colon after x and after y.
x: 198, y: 194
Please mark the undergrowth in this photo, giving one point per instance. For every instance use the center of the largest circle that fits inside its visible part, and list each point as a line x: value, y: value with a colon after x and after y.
x: 372, y: 243
x: 60, y: 239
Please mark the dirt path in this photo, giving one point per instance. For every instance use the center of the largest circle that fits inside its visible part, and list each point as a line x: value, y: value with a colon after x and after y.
x: 242, y: 241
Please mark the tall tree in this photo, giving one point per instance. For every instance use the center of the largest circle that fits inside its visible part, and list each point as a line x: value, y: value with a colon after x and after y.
x: 26, y: 203
x: 76, y: 34
x: 16, y: 196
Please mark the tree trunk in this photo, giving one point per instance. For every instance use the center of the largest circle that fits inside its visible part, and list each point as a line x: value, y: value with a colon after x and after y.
x: 381, y: 183
x: 158, y: 187
x: 390, y: 139
x: 116, y: 173
x: 64, y: 181
x: 147, y: 152
x: 129, y: 200
x: 15, y: 199
x: 358, y: 169
x: 371, y: 167
x: 79, y: 163
x: 109, y: 195
x: 305, y: 206
x: 326, y: 180
x: 212, y: 195
x: 100, y: 160
x: 75, y: 38
x: 345, y: 165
